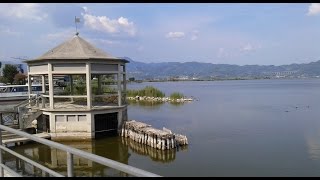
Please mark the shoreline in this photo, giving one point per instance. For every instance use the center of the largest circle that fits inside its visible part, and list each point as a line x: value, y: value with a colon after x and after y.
x: 159, y: 99
x: 240, y: 79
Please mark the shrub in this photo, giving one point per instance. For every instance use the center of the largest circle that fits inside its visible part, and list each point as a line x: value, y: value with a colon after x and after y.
x: 176, y: 95
x: 148, y: 91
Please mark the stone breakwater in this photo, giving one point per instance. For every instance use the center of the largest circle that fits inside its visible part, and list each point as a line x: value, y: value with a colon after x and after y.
x: 156, y: 138
x: 162, y: 99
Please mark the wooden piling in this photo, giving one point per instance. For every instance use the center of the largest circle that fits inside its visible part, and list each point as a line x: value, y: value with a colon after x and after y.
x: 159, y: 139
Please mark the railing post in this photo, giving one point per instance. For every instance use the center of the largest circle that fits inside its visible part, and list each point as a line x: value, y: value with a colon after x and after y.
x: 43, y: 100
x: 70, y: 164
x: 1, y: 158
x: 14, y: 116
x: 37, y: 101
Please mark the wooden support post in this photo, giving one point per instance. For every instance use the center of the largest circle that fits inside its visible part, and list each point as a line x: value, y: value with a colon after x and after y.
x: 122, y: 131
x: 148, y: 140
x: 172, y: 143
x: 134, y: 135
x: 130, y: 134
x: 152, y: 139
x: 142, y: 138
x: 158, y: 145
x: 163, y: 144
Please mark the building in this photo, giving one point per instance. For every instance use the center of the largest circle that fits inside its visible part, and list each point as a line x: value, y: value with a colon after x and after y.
x: 94, y: 102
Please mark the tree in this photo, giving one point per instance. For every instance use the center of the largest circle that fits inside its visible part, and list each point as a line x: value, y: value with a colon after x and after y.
x: 131, y: 79
x: 20, y: 78
x: 9, y: 71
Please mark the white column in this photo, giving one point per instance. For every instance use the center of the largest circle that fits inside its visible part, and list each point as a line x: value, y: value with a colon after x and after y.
x: 90, y: 124
x: 52, y: 122
x: 88, y: 83
x: 43, y: 84
x: 43, y: 100
x: 71, y: 87
x: 124, y: 82
x: 71, y: 84
x: 99, y: 84
x: 29, y: 86
x: 50, y: 79
x: 119, y: 85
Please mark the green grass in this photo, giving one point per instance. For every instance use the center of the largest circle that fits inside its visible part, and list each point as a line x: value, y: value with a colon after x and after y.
x: 148, y: 91
x: 176, y: 95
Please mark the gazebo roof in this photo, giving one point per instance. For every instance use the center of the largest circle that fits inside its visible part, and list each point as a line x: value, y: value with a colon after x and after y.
x: 75, y: 48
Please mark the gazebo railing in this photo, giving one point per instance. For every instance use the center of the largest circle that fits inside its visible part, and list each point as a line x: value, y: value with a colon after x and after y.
x: 61, y: 100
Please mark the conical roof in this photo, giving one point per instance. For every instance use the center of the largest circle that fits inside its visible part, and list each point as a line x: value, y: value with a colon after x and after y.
x: 75, y: 48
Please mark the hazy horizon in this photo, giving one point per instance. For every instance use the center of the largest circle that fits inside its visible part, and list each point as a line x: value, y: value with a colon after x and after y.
x: 149, y: 62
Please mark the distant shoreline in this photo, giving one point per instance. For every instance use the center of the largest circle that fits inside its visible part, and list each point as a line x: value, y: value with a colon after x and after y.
x: 230, y: 79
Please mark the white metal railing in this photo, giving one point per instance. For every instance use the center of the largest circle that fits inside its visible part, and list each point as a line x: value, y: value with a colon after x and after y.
x: 14, y: 94
x: 70, y: 153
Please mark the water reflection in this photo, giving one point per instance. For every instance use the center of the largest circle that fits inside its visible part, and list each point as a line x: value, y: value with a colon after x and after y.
x: 57, y: 160
x: 164, y: 156
x: 313, y: 144
x: 174, y: 103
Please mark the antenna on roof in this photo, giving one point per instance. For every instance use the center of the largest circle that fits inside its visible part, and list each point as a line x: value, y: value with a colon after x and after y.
x: 20, y: 58
x: 76, y: 20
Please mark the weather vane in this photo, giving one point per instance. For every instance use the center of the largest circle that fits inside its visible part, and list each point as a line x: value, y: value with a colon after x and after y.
x: 76, y: 20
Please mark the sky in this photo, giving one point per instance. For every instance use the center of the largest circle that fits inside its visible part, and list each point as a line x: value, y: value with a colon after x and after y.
x: 218, y: 33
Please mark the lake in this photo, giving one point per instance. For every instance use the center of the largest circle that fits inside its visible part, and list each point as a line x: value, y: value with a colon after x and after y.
x: 234, y: 128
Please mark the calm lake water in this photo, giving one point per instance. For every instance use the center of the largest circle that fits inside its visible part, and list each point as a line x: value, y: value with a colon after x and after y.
x: 235, y: 128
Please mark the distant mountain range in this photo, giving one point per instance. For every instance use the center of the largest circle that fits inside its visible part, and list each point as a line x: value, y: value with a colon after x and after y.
x: 198, y: 70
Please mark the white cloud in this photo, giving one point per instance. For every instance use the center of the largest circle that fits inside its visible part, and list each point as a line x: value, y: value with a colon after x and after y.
x: 85, y: 9
x: 140, y: 48
x: 30, y: 11
x: 314, y: 9
x: 58, y: 37
x: 104, y: 41
x: 62, y: 35
x: 194, y: 35
x: 175, y: 35
x: 247, y: 47
x: 8, y: 31
x: 222, y: 53
x: 104, y: 24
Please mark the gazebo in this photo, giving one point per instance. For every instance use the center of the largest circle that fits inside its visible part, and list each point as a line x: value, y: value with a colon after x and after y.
x: 83, y: 91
